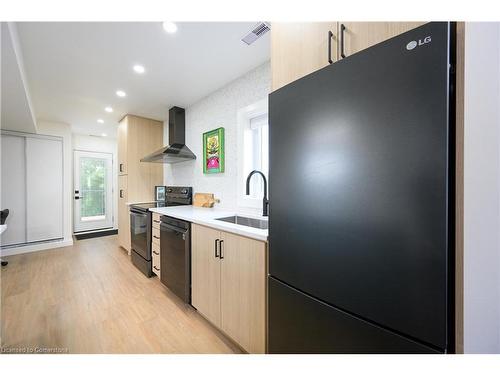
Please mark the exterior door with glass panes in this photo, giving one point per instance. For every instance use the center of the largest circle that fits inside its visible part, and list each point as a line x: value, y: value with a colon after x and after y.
x: 93, y: 191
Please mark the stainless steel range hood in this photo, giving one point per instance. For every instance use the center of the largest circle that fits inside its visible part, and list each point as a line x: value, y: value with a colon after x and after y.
x: 176, y: 151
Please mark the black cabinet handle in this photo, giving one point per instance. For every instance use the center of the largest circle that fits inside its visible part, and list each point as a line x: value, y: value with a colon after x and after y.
x: 221, y: 255
x: 156, y: 221
x: 77, y: 198
x: 157, y: 269
x: 156, y: 237
x: 342, y: 29
x: 330, y: 37
x: 155, y: 253
x: 121, y: 167
x: 216, y: 246
x: 121, y: 193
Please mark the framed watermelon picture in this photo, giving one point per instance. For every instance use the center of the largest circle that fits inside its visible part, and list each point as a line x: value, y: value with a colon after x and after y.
x: 213, y: 151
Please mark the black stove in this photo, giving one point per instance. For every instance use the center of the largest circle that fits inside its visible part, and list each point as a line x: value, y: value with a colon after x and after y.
x: 141, y: 226
x: 174, y: 196
x: 144, y: 207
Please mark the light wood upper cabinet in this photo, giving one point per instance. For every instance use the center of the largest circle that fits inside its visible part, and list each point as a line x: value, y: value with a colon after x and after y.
x: 243, y: 291
x: 205, y: 273
x: 361, y: 35
x: 229, y: 284
x: 137, y: 137
x: 122, y: 147
x: 298, y: 49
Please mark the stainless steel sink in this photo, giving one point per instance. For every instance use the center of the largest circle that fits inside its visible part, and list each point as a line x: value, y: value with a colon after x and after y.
x: 246, y: 221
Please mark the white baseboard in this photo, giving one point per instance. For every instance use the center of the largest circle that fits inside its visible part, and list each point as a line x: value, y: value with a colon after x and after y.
x: 35, y: 247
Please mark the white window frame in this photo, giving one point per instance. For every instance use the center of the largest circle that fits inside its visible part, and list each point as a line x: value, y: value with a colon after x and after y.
x: 244, y: 146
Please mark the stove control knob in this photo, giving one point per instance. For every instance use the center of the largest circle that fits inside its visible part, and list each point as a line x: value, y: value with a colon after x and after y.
x: 169, y: 190
x: 184, y: 191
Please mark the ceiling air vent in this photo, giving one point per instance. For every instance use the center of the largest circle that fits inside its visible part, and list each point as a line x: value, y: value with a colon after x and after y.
x: 260, y: 29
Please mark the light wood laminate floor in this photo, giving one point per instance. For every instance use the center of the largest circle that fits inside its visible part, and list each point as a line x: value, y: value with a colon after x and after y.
x: 89, y: 298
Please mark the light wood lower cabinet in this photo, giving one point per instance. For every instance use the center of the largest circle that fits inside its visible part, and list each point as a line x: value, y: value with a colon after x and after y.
x: 229, y: 284
x: 243, y: 291
x: 205, y: 273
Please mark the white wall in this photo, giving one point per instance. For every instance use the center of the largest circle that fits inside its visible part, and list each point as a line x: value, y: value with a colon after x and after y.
x: 219, y: 109
x: 17, y: 110
x: 83, y: 142
x: 64, y: 131
x: 482, y: 189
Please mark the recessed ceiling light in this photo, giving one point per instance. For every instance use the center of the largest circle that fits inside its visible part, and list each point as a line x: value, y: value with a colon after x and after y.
x: 108, y: 109
x: 169, y: 27
x: 139, y: 69
x: 100, y: 121
x: 121, y: 93
x: 104, y: 135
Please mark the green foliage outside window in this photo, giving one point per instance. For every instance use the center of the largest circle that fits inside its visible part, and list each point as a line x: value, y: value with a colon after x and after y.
x: 92, y: 187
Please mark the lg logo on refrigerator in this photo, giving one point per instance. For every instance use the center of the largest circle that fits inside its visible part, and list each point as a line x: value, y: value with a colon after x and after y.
x: 420, y: 42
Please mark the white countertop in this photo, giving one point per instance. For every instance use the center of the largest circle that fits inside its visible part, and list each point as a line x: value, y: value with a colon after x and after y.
x: 3, y: 227
x: 207, y: 216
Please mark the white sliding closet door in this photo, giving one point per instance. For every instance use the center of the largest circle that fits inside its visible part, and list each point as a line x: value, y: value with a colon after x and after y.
x: 44, y: 183
x: 13, y: 185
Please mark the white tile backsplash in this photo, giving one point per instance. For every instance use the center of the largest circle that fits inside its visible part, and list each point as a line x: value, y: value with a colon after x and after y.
x: 219, y: 109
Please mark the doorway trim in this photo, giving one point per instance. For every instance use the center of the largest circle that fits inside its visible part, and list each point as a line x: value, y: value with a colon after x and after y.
x: 108, y: 222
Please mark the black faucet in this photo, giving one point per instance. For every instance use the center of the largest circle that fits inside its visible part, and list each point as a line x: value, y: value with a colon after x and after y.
x: 265, y: 201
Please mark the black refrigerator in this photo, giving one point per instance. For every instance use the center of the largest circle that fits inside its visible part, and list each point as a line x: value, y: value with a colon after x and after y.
x: 361, y: 222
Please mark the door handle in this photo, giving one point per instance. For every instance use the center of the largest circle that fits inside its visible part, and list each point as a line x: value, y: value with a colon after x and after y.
x: 221, y: 253
x: 330, y: 37
x: 342, y: 29
x: 216, y: 245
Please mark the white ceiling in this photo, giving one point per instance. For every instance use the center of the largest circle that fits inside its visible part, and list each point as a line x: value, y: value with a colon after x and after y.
x: 74, y: 69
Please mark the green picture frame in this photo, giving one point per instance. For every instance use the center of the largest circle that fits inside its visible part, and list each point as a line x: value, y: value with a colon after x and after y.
x: 213, y: 151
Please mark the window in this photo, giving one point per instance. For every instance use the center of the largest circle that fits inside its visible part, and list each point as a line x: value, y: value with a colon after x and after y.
x: 253, y: 152
x: 259, y: 155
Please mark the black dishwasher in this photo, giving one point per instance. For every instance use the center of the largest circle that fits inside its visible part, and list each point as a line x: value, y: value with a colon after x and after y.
x: 175, y: 258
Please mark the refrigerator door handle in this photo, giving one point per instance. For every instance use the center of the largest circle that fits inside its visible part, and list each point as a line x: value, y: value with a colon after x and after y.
x: 330, y: 36
x: 342, y: 29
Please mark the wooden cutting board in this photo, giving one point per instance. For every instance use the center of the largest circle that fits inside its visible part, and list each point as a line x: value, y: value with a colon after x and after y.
x: 204, y: 200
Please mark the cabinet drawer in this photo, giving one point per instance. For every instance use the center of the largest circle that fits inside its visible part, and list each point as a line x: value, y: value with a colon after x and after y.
x: 155, y: 249
x: 156, y: 265
x: 156, y: 220
x: 156, y: 236
x: 156, y: 223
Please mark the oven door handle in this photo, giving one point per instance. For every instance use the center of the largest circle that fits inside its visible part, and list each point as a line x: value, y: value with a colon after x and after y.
x: 172, y: 228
